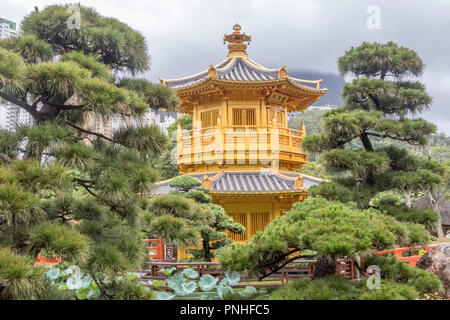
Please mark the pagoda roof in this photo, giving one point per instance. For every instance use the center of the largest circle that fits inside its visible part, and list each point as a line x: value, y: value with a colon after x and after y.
x: 241, y: 70
x: 247, y: 182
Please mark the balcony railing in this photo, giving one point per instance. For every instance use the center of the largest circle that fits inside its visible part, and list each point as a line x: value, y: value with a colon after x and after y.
x: 240, y: 145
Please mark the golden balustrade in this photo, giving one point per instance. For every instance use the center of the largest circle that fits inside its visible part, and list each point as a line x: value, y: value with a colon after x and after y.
x: 240, y: 145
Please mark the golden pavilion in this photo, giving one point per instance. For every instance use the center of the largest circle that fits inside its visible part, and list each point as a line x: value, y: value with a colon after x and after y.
x: 240, y: 146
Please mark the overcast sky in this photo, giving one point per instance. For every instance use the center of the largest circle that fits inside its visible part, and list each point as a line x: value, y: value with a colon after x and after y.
x: 185, y: 36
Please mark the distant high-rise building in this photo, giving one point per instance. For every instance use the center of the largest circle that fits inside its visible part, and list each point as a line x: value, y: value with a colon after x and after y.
x: 7, y: 29
x: 168, y: 120
x: 10, y: 115
x: 148, y: 119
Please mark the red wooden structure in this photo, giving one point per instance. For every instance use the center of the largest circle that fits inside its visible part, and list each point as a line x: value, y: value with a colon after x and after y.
x: 155, y: 249
x: 46, y: 261
x: 409, y: 255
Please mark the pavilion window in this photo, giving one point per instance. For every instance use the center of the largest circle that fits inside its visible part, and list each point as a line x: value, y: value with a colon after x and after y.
x: 242, y: 219
x: 244, y: 117
x: 277, y: 114
x: 209, y: 118
x: 258, y: 221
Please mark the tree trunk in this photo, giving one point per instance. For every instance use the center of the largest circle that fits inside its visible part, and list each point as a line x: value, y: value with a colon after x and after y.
x: 408, y: 198
x: 325, y: 266
x: 206, y: 250
x: 434, y: 200
x: 366, y: 142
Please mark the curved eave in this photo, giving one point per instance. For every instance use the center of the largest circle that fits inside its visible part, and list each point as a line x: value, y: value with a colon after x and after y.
x: 306, y: 95
x: 239, y: 70
x: 302, y: 191
x: 248, y: 183
x: 247, y: 84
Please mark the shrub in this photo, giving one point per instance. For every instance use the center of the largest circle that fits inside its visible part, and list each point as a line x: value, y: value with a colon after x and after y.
x: 396, y: 270
x: 18, y: 278
x: 389, y: 291
x: 338, y: 288
x: 329, y: 288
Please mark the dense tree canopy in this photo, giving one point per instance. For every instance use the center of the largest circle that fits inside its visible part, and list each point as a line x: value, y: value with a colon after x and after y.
x: 66, y: 188
x: 212, y: 222
x: 116, y: 44
x: 320, y: 228
x: 380, y: 104
x: 351, y: 216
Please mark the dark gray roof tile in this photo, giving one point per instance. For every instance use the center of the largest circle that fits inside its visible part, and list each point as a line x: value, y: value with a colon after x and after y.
x: 246, y: 182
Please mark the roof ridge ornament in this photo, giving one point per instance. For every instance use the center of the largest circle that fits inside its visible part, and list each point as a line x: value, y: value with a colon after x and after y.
x: 236, y: 39
x: 212, y: 72
x: 282, y: 73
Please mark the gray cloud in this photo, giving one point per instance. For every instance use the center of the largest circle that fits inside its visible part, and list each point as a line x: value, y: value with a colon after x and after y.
x: 185, y: 36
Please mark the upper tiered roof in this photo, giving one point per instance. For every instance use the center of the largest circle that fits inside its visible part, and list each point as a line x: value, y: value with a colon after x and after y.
x: 239, y: 71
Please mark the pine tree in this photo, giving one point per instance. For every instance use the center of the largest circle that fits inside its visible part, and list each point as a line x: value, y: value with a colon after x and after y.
x: 61, y: 171
x: 324, y: 230
x: 339, y: 219
x: 382, y: 102
x: 213, y: 233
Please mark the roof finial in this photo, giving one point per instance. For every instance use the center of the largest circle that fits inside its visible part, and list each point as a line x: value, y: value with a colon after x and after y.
x: 236, y: 40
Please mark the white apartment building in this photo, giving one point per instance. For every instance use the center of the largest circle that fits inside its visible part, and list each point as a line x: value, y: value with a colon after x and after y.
x: 12, y: 115
x: 7, y: 29
x: 148, y: 119
x: 168, y: 120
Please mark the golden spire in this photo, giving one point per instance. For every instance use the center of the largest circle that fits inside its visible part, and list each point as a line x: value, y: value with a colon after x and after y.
x: 236, y: 39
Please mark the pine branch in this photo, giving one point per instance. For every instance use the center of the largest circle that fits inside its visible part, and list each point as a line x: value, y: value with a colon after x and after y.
x: 89, y: 132
x: 35, y: 114
x: 5, y: 158
x: 265, y: 274
x: 410, y: 140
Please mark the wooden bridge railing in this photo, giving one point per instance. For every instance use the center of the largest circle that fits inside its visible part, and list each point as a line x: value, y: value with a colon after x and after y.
x: 409, y: 255
x: 296, y: 270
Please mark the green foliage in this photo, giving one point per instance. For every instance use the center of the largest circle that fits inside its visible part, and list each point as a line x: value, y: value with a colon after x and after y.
x: 331, y: 288
x: 325, y: 227
x: 88, y: 62
x: 150, y: 141
x: 9, y: 143
x: 338, y: 288
x: 66, y: 188
x: 374, y: 59
x: 82, y: 287
x: 366, y: 141
x: 165, y: 165
x: 186, y: 216
x: 311, y: 118
x: 212, y: 231
x: 391, y: 291
x: 12, y: 68
x: 401, y: 212
x: 332, y: 192
x: 156, y: 96
x: 185, y: 284
x: 131, y: 290
x: 362, y: 165
x: 315, y: 169
x: 398, y: 271
x: 18, y: 278
x: 61, y: 239
x: 186, y: 123
x: 184, y: 183
x: 116, y: 44
x: 31, y: 49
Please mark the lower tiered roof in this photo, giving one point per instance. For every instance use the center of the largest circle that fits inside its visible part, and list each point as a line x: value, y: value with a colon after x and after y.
x: 248, y: 182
